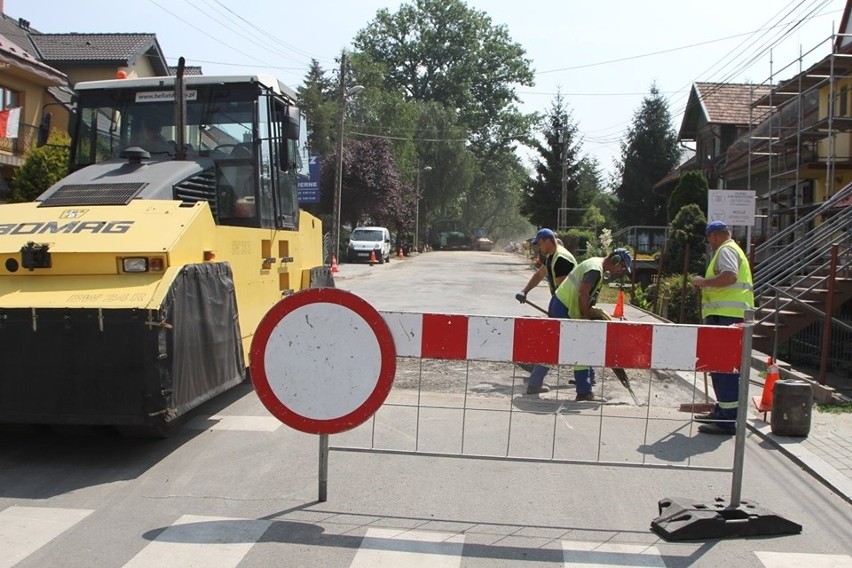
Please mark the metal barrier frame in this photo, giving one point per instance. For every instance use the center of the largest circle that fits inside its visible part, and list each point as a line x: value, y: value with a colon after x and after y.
x: 412, y: 338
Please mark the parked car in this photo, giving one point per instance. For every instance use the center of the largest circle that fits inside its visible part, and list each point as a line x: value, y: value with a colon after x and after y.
x: 481, y: 241
x: 366, y: 241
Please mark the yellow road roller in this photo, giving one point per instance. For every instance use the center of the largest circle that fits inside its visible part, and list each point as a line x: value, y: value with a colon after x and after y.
x: 130, y: 290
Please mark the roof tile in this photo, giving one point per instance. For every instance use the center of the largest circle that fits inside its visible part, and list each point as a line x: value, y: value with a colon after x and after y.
x: 72, y: 47
x: 730, y: 103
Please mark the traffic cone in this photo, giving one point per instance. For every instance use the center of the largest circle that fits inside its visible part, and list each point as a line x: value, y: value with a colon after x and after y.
x: 334, y: 269
x: 618, y: 312
x: 373, y: 257
x: 772, y: 376
x: 399, y: 254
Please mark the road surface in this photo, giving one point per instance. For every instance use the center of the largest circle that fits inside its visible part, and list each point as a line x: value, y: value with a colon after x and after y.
x: 235, y: 488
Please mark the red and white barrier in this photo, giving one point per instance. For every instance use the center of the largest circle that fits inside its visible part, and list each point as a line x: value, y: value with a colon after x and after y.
x: 566, y: 342
x: 355, y: 348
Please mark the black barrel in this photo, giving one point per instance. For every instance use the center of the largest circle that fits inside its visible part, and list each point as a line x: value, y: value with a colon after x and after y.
x: 791, y: 408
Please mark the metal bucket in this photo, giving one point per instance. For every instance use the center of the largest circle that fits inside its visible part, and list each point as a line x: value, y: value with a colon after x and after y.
x: 791, y: 408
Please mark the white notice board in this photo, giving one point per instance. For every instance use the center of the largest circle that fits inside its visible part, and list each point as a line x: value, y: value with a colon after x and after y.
x: 733, y: 206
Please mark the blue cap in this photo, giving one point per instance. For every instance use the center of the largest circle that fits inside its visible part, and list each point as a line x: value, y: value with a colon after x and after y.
x: 543, y: 234
x: 716, y: 226
x: 625, y: 258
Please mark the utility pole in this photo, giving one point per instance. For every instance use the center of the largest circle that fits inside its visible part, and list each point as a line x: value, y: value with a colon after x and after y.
x: 343, y: 96
x: 417, y: 205
x: 338, y: 170
x: 562, y: 223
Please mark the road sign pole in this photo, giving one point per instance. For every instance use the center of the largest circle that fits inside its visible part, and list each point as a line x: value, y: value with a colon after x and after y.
x: 285, y: 355
x: 323, y: 468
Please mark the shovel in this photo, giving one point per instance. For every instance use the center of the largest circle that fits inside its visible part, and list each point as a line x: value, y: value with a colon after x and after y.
x: 699, y: 407
x: 536, y: 306
x: 599, y: 314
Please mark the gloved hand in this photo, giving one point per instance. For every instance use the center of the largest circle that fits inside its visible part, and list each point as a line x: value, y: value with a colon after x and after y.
x: 599, y: 314
x: 521, y: 297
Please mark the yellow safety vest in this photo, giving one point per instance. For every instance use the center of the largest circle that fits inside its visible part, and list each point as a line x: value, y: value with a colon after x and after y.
x: 560, y: 252
x: 730, y: 301
x: 569, y: 291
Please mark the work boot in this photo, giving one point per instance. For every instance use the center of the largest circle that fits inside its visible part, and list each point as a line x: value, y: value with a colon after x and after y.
x: 716, y: 429
x: 537, y: 390
x: 589, y: 397
x: 709, y: 417
x: 536, y: 378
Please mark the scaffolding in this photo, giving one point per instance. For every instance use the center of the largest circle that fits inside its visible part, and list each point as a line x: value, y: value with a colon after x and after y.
x: 803, y: 144
x: 800, y: 167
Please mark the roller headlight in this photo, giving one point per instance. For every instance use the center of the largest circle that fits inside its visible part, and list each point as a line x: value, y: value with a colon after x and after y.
x: 135, y: 264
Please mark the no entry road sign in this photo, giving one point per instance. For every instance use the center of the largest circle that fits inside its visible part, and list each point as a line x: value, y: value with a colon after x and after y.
x: 322, y: 361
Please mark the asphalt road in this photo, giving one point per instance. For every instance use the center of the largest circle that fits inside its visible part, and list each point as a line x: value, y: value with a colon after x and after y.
x: 236, y: 488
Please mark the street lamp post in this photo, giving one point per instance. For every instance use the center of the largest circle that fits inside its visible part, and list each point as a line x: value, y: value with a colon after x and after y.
x: 343, y: 95
x: 417, y: 206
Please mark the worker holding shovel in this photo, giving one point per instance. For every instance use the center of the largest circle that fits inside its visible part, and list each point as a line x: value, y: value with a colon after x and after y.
x: 577, y: 293
x: 558, y: 264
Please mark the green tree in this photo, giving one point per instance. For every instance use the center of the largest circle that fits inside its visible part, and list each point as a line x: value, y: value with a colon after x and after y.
x: 384, y: 112
x: 687, y: 228
x: 558, y: 152
x: 317, y: 98
x: 42, y: 168
x: 374, y: 191
x: 691, y: 189
x: 676, y: 295
x: 492, y: 200
x: 593, y: 217
x: 605, y: 203
x: 649, y: 152
x: 444, y: 51
x: 440, y: 143
x: 591, y: 183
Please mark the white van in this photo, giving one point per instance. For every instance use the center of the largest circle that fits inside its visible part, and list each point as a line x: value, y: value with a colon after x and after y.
x: 366, y: 240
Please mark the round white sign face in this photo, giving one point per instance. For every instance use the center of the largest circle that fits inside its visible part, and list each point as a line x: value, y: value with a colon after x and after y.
x: 322, y: 361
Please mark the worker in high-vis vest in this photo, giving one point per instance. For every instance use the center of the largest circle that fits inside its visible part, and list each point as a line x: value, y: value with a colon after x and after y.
x: 579, y: 293
x: 557, y: 265
x: 726, y: 293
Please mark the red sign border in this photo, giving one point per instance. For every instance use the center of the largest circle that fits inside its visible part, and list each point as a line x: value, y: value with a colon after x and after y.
x: 260, y: 380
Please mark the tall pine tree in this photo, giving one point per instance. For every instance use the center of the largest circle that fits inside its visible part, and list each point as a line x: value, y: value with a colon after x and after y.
x: 317, y: 98
x: 543, y: 195
x: 649, y: 152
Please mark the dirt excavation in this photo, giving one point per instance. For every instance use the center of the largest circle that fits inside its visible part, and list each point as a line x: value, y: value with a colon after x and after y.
x: 490, y: 379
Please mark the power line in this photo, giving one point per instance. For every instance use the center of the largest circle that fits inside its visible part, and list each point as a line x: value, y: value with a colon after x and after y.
x: 207, y: 34
x: 194, y: 60
x: 272, y: 36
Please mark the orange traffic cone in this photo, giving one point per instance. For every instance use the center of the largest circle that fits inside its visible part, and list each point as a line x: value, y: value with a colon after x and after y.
x: 399, y: 254
x: 373, y: 257
x: 764, y: 403
x: 334, y: 269
x: 618, y: 312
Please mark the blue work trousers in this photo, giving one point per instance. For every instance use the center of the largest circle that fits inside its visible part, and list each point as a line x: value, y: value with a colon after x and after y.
x: 726, y: 386
x: 582, y: 378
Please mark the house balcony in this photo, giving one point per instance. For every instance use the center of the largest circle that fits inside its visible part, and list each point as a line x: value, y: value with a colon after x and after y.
x: 13, y: 150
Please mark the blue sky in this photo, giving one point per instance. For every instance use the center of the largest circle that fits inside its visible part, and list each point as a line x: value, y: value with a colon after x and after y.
x: 603, y: 55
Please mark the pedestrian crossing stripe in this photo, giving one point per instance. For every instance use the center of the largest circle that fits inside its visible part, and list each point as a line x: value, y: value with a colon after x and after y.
x: 23, y: 530
x: 803, y: 560
x: 201, y: 541
x: 610, y: 554
x: 223, y: 542
x: 412, y: 549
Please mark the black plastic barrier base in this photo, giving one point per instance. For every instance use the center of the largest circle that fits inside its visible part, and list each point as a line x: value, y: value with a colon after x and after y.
x: 683, y: 519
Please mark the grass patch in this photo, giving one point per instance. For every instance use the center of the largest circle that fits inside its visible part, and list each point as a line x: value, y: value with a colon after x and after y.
x: 843, y: 408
